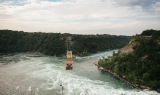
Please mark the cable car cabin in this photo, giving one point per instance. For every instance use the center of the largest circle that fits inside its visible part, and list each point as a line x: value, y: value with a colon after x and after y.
x: 69, y: 65
x: 69, y: 55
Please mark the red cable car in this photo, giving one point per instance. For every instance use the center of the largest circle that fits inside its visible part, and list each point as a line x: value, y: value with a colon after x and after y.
x: 69, y: 64
x: 69, y: 61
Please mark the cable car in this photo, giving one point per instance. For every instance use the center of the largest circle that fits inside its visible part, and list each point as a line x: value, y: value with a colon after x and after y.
x: 69, y: 61
x: 69, y: 64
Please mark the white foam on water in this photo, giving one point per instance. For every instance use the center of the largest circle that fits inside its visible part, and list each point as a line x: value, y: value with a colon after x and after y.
x: 30, y: 88
x: 17, y: 87
x: 41, y: 75
x: 78, y: 85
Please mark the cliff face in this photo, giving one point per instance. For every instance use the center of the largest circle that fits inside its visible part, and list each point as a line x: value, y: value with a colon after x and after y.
x: 137, y: 62
x: 129, y: 47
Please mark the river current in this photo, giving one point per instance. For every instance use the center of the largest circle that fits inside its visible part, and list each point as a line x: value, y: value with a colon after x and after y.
x: 37, y: 74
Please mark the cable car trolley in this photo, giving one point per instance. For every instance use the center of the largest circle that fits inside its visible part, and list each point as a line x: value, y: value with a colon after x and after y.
x: 69, y: 61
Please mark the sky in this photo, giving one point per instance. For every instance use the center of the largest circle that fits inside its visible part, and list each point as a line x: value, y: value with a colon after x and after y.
x: 115, y: 17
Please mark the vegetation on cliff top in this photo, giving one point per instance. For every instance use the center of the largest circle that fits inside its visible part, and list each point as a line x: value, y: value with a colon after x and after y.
x: 55, y: 43
x: 140, y: 66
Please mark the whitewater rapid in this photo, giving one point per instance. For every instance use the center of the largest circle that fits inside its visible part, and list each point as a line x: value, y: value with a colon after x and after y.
x: 37, y: 74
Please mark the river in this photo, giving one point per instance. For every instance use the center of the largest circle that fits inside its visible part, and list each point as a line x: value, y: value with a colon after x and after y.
x: 37, y: 74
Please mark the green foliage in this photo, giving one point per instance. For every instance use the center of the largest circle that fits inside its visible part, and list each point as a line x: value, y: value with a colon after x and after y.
x: 55, y: 43
x: 147, y: 32
x: 156, y: 35
x: 140, y: 66
x: 87, y: 44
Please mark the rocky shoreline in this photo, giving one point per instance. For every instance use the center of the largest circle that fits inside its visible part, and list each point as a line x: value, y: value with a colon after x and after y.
x: 123, y: 78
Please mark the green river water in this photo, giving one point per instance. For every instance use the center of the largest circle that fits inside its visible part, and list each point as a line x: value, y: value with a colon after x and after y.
x: 37, y: 74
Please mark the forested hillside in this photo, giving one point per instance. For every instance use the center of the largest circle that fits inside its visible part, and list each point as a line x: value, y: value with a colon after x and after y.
x: 55, y: 43
x: 141, y: 65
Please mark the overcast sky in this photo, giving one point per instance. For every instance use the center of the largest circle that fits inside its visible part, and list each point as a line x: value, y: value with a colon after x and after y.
x: 115, y: 17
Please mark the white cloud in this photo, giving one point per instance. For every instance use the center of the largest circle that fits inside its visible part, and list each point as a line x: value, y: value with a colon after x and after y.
x: 156, y: 8
x: 76, y: 16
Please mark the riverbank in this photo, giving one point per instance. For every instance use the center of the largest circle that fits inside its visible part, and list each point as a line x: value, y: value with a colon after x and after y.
x: 124, y: 79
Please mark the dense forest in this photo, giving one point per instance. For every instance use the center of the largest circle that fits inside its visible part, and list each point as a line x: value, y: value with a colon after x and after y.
x: 141, y: 66
x: 55, y: 43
